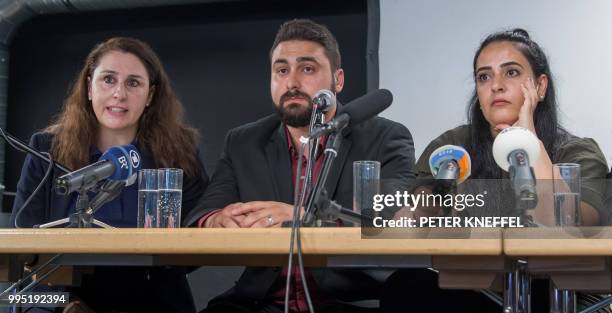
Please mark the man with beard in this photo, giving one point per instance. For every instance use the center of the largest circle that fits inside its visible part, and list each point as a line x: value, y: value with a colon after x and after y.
x: 253, y: 182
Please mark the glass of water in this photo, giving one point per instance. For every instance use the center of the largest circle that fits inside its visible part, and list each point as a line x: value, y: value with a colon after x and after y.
x: 170, y: 195
x: 366, y: 184
x: 566, y: 193
x: 148, y: 215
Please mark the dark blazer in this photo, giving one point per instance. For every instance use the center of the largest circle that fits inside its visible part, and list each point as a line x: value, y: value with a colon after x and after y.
x: 255, y: 165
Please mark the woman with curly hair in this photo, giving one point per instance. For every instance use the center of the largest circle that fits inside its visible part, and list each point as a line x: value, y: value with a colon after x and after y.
x: 121, y: 96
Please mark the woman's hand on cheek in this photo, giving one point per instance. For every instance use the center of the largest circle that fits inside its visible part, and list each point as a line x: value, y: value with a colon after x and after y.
x: 525, y: 116
x: 529, y: 105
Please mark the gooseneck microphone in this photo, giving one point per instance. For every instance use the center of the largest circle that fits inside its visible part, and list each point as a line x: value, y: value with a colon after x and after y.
x: 356, y: 111
x: 118, y: 163
x: 514, y: 149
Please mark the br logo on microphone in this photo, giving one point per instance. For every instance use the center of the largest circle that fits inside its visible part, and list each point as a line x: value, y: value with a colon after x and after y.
x: 123, y: 161
x: 135, y: 158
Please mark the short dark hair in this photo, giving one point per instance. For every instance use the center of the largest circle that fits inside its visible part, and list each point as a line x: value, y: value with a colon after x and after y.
x: 307, y: 30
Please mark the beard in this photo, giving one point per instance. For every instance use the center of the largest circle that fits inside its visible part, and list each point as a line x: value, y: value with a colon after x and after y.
x: 294, y: 114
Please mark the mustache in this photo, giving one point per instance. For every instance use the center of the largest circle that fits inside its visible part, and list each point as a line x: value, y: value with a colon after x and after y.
x: 294, y: 94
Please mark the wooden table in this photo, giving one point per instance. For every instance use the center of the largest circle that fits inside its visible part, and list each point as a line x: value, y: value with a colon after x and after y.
x: 574, y: 258
x: 316, y: 241
x: 335, y: 247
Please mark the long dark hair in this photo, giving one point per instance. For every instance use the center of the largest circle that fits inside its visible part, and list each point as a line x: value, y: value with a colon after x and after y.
x: 547, y: 127
x: 161, y: 128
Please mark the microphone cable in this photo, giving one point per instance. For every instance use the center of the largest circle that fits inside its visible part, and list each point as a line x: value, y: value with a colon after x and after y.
x: 299, y: 196
x: 11, y: 141
x: 23, y: 147
x: 36, y: 190
x: 308, y: 181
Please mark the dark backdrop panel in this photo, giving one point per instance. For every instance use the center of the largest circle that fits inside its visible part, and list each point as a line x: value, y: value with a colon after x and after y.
x: 215, y: 54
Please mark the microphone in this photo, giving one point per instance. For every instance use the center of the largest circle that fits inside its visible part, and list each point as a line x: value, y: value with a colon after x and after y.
x: 513, y: 150
x: 450, y: 163
x: 117, y: 163
x: 356, y: 111
x: 325, y: 100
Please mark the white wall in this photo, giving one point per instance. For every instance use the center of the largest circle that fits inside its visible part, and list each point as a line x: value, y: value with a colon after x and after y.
x: 427, y: 46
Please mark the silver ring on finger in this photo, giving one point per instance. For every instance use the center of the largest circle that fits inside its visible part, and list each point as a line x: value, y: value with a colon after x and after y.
x: 270, y: 220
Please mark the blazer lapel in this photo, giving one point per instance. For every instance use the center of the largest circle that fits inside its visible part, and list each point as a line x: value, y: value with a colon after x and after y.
x: 279, y: 165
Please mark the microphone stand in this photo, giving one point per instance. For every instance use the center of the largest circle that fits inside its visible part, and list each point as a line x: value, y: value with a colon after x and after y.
x: 109, y: 191
x: 84, y: 209
x: 317, y: 119
x: 523, y: 183
x: 517, y: 283
x: 328, y: 210
x: 334, y: 141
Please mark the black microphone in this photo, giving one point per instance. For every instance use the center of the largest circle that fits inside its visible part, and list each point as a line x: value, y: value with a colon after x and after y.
x: 325, y: 100
x: 117, y: 163
x: 356, y: 111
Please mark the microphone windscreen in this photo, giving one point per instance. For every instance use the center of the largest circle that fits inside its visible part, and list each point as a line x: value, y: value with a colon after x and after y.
x: 367, y: 106
x: 515, y: 138
x: 451, y: 152
x: 126, y: 161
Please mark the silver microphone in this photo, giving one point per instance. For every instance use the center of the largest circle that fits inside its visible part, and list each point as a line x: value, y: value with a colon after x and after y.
x: 325, y: 100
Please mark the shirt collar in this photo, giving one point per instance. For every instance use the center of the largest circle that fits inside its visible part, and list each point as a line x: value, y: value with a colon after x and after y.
x: 293, y: 151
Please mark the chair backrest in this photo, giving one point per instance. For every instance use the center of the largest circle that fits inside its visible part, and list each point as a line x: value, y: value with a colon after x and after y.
x: 607, y: 220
